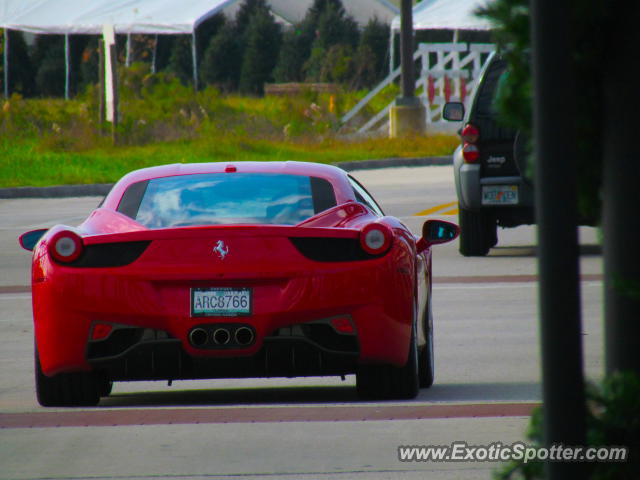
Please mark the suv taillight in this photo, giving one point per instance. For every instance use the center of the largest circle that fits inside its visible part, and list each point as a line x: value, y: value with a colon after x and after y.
x: 470, y: 135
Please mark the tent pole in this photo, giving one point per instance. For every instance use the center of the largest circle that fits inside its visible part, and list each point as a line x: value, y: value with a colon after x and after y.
x: 128, y: 58
x: 154, y: 56
x: 194, y: 55
x: 6, y: 63
x: 67, y: 67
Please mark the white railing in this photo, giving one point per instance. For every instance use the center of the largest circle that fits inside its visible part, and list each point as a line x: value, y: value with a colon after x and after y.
x: 449, y: 72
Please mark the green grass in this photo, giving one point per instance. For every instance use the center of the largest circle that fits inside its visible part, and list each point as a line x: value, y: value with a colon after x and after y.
x: 23, y: 164
x: 54, y: 142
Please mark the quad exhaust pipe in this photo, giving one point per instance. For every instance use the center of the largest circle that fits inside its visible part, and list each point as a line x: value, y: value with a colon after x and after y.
x: 221, y: 336
x: 198, y: 337
x: 216, y: 336
x: 244, y: 336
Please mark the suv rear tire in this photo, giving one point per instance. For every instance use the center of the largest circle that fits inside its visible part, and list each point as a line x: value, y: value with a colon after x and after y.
x: 478, y: 233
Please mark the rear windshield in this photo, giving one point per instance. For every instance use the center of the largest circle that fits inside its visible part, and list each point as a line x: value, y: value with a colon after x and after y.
x: 226, y: 198
x: 493, y: 77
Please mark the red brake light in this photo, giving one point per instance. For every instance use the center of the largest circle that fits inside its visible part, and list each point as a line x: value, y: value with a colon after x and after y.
x: 101, y: 331
x: 343, y: 325
x: 65, y: 247
x: 470, y: 133
x: 470, y: 153
x: 376, y: 238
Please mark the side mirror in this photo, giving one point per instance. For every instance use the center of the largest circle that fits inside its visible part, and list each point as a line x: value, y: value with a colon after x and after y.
x: 453, y: 111
x: 28, y: 240
x: 435, y: 232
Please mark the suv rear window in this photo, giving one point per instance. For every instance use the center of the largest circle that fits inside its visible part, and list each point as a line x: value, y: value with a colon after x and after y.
x: 485, y: 105
x: 223, y: 198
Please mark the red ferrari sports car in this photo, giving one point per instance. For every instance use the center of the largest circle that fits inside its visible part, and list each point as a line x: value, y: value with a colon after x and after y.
x: 228, y: 270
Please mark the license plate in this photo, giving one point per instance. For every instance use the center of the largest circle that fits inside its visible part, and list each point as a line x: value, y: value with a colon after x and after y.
x: 500, y: 195
x: 220, y: 302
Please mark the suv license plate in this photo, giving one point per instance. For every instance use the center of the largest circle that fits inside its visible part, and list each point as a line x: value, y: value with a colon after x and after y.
x: 220, y: 302
x: 500, y: 195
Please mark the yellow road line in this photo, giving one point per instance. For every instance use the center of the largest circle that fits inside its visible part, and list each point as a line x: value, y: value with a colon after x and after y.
x: 451, y: 212
x: 431, y: 210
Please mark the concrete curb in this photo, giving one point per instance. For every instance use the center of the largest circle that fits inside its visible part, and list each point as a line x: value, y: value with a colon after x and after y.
x: 101, y: 189
x: 57, y: 191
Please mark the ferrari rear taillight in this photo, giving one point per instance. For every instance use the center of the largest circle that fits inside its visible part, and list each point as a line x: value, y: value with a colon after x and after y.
x: 376, y: 239
x: 65, y: 247
x: 470, y: 135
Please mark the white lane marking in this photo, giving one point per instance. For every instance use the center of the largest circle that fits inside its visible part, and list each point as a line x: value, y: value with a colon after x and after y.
x: 15, y: 296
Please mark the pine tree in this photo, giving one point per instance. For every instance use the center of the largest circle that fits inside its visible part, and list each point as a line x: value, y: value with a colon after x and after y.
x: 334, y: 27
x: 223, y: 60
x: 246, y: 12
x: 48, y: 57
x: 293, y: 53
x: 206, y: 30
x: 21, y: 70
x: 263, y: 39
x: 181, y: 59
x: 371, y: 57
x: 375, y: 40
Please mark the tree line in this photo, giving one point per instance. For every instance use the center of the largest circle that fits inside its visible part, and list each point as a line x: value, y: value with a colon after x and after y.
x: 238, y: 54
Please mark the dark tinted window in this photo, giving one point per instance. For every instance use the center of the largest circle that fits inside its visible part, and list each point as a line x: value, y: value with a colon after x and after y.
x: 230, y: 198
x: 364, y: 197
x: 489, y: 88
x: 130, y: 201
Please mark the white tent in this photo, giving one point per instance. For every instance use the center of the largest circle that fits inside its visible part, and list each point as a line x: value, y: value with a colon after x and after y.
x: 361, y: 10
x: 154, y: 16
x: 127, y: 16
x: 446, y: 15
x: 151, y: 16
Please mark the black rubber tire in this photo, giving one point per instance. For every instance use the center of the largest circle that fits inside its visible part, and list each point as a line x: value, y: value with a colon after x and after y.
x: 478, y: 233
x: 426, y: 359
x: 81, y: 389
x: 383, y: 382
x: 105, y: 386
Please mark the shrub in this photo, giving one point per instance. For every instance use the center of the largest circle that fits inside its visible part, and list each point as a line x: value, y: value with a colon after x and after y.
x: 613, y: 419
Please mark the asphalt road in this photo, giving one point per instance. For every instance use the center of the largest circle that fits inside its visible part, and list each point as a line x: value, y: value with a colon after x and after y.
x: 486, y: 354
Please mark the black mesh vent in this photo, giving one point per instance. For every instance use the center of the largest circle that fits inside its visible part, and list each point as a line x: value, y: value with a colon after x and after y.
x: 331, y: 249
x: 110, y: 254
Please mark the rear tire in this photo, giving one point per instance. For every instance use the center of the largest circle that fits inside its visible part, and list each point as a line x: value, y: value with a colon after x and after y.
x: 478, y: 233
x: 78, y: 389
x: 389, y: 382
